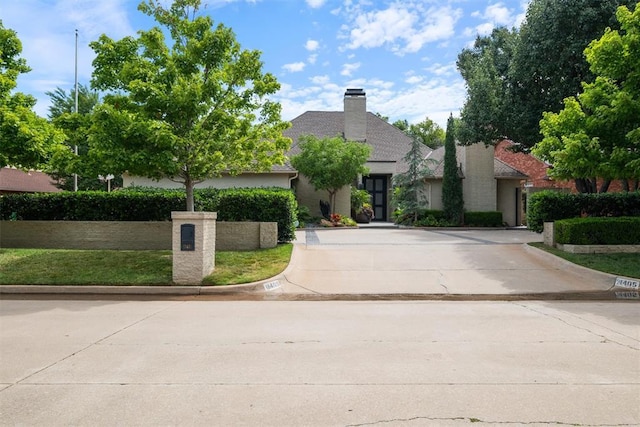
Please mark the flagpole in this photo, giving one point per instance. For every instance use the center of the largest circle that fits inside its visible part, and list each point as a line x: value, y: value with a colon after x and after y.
x: 75, y: 147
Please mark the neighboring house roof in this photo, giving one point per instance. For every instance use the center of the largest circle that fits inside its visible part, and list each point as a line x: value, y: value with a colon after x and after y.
x: 389, y: 143
x: 501, y: 169
x: 534, y: 168
x: 17, y: 181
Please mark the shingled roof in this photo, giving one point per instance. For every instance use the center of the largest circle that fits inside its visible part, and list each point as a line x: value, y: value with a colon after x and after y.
x: 389, y: 143
x: 17, y: 181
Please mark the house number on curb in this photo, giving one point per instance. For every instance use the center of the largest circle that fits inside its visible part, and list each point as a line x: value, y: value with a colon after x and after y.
x: 270, y: 286
x: 626, y: 283
x: 628, y: 295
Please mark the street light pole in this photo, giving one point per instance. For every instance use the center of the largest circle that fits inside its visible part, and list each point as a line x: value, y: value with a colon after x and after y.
x: 75, y: 147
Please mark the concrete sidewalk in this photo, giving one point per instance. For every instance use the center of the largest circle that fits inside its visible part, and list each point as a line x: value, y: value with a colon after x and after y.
x: 380, y: 259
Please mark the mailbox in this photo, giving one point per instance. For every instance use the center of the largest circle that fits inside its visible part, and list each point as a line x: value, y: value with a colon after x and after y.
x: 187, y: 237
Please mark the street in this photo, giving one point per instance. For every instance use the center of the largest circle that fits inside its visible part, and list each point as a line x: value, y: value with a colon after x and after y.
x: 180, y: 361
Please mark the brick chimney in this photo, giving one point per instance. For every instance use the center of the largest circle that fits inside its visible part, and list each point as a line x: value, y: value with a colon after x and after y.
x: 355, y: 115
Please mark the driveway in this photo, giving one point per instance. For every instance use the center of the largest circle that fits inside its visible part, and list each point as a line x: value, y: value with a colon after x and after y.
x: 380, y: 260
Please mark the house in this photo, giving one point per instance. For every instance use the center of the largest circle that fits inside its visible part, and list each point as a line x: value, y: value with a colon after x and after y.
x: 389, y: 146
x: 488, y: 183
x: 14, y: 180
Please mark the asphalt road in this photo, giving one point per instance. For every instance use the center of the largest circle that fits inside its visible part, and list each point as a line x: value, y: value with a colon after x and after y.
x: 100, y: 362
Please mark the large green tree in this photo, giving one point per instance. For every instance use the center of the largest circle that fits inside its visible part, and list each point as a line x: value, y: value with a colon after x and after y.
x: 452, y: 198
x: 63, y: 102
x: 426, y: 132
x: 65, y: 163
x: 26, y: 140
x: 548, y: 63
x: 331, y: 163
x: 485, y: 69
x: 190, y: 111
x: 597, y: 134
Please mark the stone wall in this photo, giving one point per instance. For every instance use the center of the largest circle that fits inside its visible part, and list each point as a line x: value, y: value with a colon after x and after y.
x: 125, y: 235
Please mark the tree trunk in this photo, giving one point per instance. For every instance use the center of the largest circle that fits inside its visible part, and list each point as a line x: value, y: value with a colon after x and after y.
x: 605, y: 186
x: 625, y: 184
x: 581, y: 185
x: 188, y: 185
x: 332, y: 201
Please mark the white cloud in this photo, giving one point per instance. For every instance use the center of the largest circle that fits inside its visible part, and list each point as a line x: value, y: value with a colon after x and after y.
x: 348, y: 69
x: 404, y: 27
x: 498, y: 14
x: 312, y: 59
x: 442, y: 70
x: 315, y: 4
x: 484, y: 29
x: 294, y: 67
x: 413, y: 80
x: 312, y: 45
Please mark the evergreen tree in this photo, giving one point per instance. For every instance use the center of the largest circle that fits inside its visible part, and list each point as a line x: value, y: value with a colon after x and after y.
x: 409, y: 186
x: 452, y: 201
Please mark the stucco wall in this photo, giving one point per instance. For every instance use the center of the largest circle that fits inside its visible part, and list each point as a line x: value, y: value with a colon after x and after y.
x: 479, y: 186
x: 433, y: 191
x: 309, y: 197
x: 124, y: 235
x: 508, y: 203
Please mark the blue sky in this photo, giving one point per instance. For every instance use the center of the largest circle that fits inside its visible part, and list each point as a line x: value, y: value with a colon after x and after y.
x: 402, y: 53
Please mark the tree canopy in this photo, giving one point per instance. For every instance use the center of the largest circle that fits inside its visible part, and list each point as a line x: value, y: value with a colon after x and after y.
x: 331, y: 163
x: 485, y: 69
x: 597, y: 134
x: 76, y: 126
x: 549, y: 63
x: 63, y: 102
x: 426, y: 132
x: 190, y: 111
x: 513, y: 76
x: 26, y: 140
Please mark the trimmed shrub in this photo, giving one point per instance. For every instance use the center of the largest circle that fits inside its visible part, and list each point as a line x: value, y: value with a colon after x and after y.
x: 547, y: 206
x: 483, y: 219
x: 598, y: 231
x: 143, y: 204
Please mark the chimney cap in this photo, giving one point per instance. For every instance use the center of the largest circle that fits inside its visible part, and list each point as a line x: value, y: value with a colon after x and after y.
x: 355, y: 92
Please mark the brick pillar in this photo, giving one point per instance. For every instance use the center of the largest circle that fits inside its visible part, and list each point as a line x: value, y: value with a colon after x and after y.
x: 192, y: 263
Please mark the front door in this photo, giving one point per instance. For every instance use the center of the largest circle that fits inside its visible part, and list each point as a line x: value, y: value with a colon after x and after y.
x: 376, y: 185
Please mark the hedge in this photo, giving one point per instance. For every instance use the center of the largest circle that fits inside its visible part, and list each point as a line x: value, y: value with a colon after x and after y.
x: 436, y: 218
x: 547, y: 206
x: 598, y: 231
x: 483, y: 219
x: 140, y: 204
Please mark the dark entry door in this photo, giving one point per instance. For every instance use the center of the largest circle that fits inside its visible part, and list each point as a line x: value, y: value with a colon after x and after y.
x: 376, y: 185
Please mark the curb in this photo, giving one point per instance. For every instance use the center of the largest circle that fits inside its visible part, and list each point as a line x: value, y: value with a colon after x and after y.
x: 563, y: 264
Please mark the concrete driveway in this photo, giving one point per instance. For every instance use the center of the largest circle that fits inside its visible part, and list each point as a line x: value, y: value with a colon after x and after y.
x: 377, y: 260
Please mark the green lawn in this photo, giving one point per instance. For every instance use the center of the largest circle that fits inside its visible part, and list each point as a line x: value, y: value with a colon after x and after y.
x: 620, y: 264
x: 84, y: 267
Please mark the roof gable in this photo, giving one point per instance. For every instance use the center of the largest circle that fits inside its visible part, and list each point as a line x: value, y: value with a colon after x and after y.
x: 389, y: 144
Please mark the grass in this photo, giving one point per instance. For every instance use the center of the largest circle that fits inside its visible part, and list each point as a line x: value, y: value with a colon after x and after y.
x: 94, y: 267
x: 621, y: 264
x: 249, y: 266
